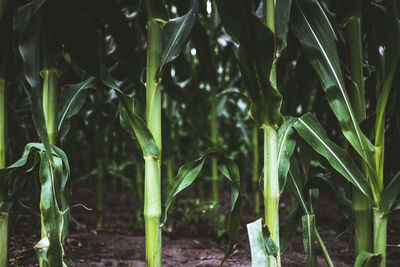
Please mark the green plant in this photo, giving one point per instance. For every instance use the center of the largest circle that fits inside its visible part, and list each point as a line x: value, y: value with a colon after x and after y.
x: 316, y: 35
x: 5, y: 26
x: 197, y: 217
x: 256, y: 60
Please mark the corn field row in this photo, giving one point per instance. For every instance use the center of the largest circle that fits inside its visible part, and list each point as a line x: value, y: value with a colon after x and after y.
x: 273, y: 96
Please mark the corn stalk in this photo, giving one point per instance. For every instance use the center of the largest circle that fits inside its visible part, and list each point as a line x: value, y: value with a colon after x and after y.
x: 3, y: 162
x: 360, y: 204
x: 3, y: 142
x: 316, y: 35
x: 152, y: 191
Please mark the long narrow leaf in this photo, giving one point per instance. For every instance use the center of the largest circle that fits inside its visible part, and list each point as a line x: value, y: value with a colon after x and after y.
x: 312, y: 132
x: 308, y: 222
x: 175, y: 34
x: 389, y: 195
x: 255, y: 58
x: 313, y: 29
x: 190, y: 171
x: 73, y: 97
x: 286, y: 146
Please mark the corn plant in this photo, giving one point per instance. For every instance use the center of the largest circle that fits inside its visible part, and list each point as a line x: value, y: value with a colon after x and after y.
x: 40, y: 51
x: 164, y: 43
x: 317, y: 38
x: 256, y: 65
x: 5, y: 48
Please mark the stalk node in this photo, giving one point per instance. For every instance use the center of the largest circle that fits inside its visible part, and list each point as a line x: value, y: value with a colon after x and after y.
x: 150, y: 157
x: 56, y: 71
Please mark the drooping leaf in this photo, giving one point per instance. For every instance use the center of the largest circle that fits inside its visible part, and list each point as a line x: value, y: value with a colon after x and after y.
x: 72, y: 98
x: 312, y: 132
x: 308, y: 222
x: 255, y: 58
x: 390, y: 193
x: 316, y: 35
x: 175, y: 34
x: 366, y: 258
x: 137, y: 127
x: 286, y: 146
x: 50, y: 248
x: 231, y: 171
x: 190, y: 171
x: 55, y: 195
x: 258, y: 248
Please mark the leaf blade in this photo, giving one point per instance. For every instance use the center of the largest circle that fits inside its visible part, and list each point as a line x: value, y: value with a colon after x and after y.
x: 312, y: 132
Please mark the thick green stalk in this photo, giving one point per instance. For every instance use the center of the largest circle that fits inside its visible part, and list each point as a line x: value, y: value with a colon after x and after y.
x: 152, y: 211
x: 380, y: 234
x: 360, y: 205
x: 271, y: 178
x: 3, y: 162
x: 214, y: 167
x: 152, y: 192
x: 50, y: 94
x: 100, y: 193
x: 271, y: 186
x: 256, y: 194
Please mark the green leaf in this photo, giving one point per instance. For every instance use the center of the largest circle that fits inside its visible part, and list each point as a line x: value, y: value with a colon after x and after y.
x: 312, y: 132
x: 315, y: 33
x: 255, y: 58
x: 258, y: 248
x: 190, y: 171
x: 135, y: 126
x: 286, y: 146
x: 28, y: 20
x: 308, y: 222
x: 272, y: 249
x: 55, y: 186
x: 386, y: 73
x: 365, y: 259
x: 389, y: 195
x: 175, y: 34
x: 295, y: 185
x: 72, y: 98
x: 50, y: 248
x: 283, y: 8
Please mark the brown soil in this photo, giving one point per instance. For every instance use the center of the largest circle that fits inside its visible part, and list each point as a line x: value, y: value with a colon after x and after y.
x: 118, y: 245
